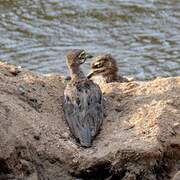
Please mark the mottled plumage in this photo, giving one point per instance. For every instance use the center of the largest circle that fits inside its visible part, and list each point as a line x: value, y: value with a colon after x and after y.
x: 83, y: 103
x: 104, y: 68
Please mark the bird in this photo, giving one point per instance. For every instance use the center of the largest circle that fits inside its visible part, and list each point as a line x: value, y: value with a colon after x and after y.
x: 83, y: 101
x: 104, y: 68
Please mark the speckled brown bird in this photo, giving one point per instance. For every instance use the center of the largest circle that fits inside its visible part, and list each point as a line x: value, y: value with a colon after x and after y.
x: 83, y: 102
x: 104, y: 68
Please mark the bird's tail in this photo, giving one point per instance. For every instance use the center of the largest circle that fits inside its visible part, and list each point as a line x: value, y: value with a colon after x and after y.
x: 85, y: 137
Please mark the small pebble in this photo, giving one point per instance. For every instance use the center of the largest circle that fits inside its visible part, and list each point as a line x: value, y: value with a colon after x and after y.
x: 65, y: 135
x: 21, y: 90
x: 36, y: 137
x: 176, y: 124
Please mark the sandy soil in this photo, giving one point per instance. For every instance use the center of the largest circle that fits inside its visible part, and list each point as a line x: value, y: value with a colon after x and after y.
x: 139, y: 139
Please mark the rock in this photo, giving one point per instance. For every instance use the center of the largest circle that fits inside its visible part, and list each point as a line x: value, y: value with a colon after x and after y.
x: 139, y: 139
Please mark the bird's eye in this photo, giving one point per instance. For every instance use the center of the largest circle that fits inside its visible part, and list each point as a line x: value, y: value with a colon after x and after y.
x: 82, y: 55
x: 98, y: 64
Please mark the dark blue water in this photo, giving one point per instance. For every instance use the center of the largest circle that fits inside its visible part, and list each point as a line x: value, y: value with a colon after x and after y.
x: 143, y: 35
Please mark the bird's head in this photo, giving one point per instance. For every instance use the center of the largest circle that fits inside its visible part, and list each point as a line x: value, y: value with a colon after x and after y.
x: 102, y: 65
x: 77, y: 57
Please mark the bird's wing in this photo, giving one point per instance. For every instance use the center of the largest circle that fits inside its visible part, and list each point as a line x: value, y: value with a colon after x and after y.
x: 83, y: 107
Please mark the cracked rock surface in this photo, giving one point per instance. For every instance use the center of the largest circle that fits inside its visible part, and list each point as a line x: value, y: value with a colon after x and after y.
x: 139, y: 139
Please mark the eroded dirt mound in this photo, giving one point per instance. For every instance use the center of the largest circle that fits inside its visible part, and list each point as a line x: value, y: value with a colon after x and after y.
x: 139, y: 139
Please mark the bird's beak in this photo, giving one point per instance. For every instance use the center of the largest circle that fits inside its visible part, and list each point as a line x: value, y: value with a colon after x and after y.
x: 93, y: 72
x: 90, y: 74
x: 88, y: 56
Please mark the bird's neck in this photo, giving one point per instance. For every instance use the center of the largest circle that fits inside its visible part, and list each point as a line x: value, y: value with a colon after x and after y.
x: 76, y: 73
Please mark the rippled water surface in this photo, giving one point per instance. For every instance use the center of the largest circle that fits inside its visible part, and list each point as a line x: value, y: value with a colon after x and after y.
x: 143, y: 35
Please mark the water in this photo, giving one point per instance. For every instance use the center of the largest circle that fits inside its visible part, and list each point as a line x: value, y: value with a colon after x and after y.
x: 143, y: 35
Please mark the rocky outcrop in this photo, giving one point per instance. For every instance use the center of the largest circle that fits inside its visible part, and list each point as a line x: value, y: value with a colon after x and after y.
x: 139, y: 139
